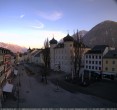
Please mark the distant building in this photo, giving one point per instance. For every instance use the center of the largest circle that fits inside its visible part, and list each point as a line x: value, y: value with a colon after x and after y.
x: 34, y: 56
x: 38, y: 58
x: 62, y: 54
x: 110, y: 62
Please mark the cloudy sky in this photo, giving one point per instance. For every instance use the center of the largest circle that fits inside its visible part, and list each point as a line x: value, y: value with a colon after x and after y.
x: 30, y: 22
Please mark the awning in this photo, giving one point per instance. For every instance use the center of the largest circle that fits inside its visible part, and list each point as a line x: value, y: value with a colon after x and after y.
x: 15, y: 72
x: 8, y: 87
x: 109, y: 73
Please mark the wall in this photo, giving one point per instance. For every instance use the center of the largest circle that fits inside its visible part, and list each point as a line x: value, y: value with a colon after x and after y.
x: 109, y: 65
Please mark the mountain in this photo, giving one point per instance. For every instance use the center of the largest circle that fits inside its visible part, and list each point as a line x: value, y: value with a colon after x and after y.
x: 80, y: 33
x: 103, y: 33
x: 14, y: 48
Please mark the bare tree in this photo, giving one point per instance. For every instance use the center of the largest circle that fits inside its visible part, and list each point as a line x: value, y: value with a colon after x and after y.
x: 78, y: 53
x: 46, y: 54
x: 46, y: 59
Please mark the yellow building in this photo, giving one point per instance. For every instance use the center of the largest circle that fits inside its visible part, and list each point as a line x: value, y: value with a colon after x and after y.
x: 110, y: 62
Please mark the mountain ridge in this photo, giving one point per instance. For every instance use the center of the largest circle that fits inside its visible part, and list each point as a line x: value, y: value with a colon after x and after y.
x: 103, y: 33
x: 13, y: 47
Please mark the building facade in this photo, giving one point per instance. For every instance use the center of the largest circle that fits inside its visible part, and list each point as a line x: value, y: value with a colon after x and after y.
x: 38, y: 58
x: 62, y: 54
x: 94, y: 57
x: 110, y: 62
x: 5, y: 68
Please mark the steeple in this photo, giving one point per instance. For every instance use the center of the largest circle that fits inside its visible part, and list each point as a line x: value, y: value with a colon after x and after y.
x: 29, y: 49
x: 68, y: 38
x: 53, y: 41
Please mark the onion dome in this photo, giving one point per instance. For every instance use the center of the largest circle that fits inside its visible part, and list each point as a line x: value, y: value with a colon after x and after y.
x: 53, y: 41
x: 68, y: 38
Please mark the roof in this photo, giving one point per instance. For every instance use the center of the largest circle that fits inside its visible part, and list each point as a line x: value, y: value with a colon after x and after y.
x: 111, y: 54
x: 25, y: 53
x: 94, y: 52
x: 60, y: 45
x: 37, y: 55
x: 98, y: 49
x: 34, y: 51
x: 68, y: 38
x: 7, y: 51
x: 53, y: 41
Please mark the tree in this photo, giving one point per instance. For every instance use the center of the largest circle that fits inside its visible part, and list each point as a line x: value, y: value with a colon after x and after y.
x: 78, y: 53
x: 46, y: 54
x: 46, y: 59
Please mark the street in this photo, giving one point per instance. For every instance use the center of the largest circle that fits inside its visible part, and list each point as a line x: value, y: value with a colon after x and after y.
x: 35, y: 94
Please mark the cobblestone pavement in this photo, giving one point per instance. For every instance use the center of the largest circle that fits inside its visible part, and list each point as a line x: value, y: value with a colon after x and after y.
x: 34, y: 94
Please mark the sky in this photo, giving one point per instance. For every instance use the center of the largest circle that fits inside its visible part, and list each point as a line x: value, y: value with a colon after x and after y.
x: 29, y: 22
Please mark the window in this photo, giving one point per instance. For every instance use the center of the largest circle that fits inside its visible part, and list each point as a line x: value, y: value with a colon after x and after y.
x: 100, y: 62
x: 86, y: 61
x: 92, y: 62
x: 106, y: 62
x: 86, y: 66
x: 89, y: 56
x: 113, y: 62
x: 99, y: 68
x: 113, y: 69
x: 96, y: 67
x: 96, y: 62
x: 106, y: 68
x: 89, y: 62
x: 92, y: 67
x: 89, y: 67
x: 86, y: 56
x: 96, y: 57
x: 92, y: 57
x: 99, y: 57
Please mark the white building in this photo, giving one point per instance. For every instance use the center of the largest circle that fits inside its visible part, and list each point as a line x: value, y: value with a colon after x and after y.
x: 38, y: 58
x: 62, y: 54
x: 94, y: 57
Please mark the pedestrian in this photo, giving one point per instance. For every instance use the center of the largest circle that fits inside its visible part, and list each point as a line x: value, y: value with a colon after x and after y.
x: 4, y: 96
x: 42, y: 79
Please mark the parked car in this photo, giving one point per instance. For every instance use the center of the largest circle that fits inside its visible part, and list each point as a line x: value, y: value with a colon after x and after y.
x: 112, y: 77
